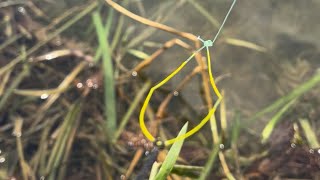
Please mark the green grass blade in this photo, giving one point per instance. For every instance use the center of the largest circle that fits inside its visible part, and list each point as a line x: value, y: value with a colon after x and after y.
x: 205, y: 13
x: 106, y: 33
x: 236, y: 128
x: 172, y: 156
x: 138, y: 54
x: 109, y: 92
x: 310, y: 135
x: 303, y: 88
x: 118, y: 31
x: 187, y: 171
x: 210, y: 162
x: 131, y: 110
x: 59, y: 148
x: 65, y: 26
x: 274, y: 120
x: 154, y: 170
x: 24, y: 73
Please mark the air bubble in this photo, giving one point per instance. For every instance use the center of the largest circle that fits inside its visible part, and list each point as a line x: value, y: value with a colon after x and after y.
x: 221, y: 146
x: 44, y: 96
x: 318, y: 151
x: 143, y: 141
x: 147, y: 153
x: 293, y: 145
x: 2, y: 159
x: 22, y: 10
x: 122, y: 177
x: 176, y: 93
x: 89, y: 83
x: 79, y: 85
x: 49, y: 57
x: 0, y: 151
x: 130, y: 143
x: 146, y: 146
x: 311, y: 151
x: 17, y: 134
x: 42, y: 178
x: 58, y: 42
x: 95, y: 86
x: 134, y: 73
x: 91, y: 64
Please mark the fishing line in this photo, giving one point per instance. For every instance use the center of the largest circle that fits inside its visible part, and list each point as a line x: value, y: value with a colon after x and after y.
x: 206, y: 45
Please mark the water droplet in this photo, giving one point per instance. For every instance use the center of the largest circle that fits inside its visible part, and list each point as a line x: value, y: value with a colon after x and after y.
x: 79, y: 85
x: 91, y: 64
x: 21, y: 10
x: 311, y: 151
x: 134, y: 139
x: 134, y: 73
x: 49, y: 57
x: 221, y: 146
x: 122, y: 177
x: 58, y: 42
x: 2, y: 159
x: 44, y: 96
x: 42, y: 178
x: 89, y: 83
x: 176, y: 93
x: 17, y: 134
x: 318, y: 151
x: 146, y: 146
x: 143, y: 141
x: 293, y: 145
x: 130, y: 143
x: 147, y: 153
x: 0, y: 151
x: 13, y: 178
x: 95, y: 86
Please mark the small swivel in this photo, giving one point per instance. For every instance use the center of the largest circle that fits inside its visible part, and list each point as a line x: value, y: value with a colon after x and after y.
x: 158, y: 143
x: 207, y: 43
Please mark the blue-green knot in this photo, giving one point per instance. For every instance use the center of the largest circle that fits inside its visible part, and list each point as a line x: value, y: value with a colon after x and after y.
x: 207, y: 43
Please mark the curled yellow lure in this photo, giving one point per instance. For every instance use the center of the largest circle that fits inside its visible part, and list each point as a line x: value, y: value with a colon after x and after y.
x: 206, y: 44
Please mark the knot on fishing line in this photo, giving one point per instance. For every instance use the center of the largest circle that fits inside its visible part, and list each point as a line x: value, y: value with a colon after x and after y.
x: 207, y: 43
x: 159, y: 143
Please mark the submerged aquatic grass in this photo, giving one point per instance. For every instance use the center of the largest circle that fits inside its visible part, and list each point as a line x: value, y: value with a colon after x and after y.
x: 171, y: 157
x: 109, y: 85
x: 66, y: 126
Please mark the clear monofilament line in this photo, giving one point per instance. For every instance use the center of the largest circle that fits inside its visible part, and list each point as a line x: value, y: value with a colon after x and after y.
x: 224, y: 21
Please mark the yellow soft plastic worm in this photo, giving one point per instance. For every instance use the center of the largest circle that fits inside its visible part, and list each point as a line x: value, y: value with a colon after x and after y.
x: 206, y: 44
